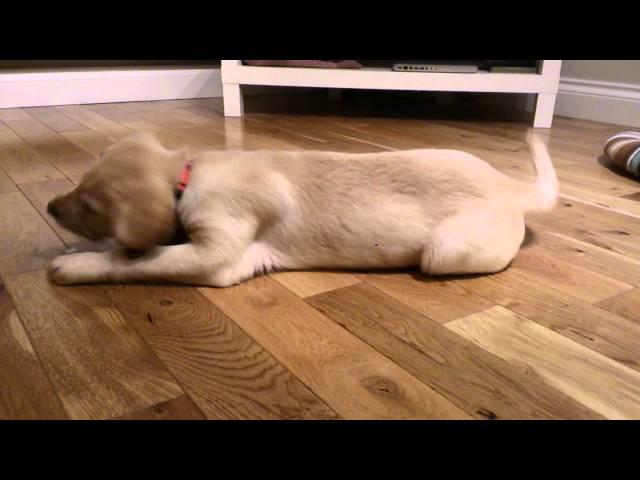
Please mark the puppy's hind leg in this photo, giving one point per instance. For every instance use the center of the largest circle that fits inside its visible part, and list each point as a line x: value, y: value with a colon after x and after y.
x: 479, y: 241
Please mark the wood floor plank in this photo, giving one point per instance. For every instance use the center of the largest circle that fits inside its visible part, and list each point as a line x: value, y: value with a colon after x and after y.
x: 13, y: 114
x: 591, y: 257
x: 109, y: 128
x: 602, y: 228
x: 113, y: 112
x: 287, y: 125
x: 579, y: 372
x: 305, y: 284
x: 437, y: 298
x: 516, y: 292
x: 25, y: 390
x: 626, y: 305
x: 183, y: 103
x: 165, y: 118
x: 191, y: 117
x: 21, y: 162
x: 90, y: 141
x: 539, y: 266
x: 597, y: 329
x: 478, y: 382
x: 599, y: 199
x: 180, y: 408
x: 353, y: 378
x: 27, y: 242
x: 55, y: 119
x: 134, y: 107
x: 98, y: 364
x: 595, y: 177
x: 52, y: 146
x: 209, y: 138
x: 306, y: 135
x: 171, y: 137
x: 6, y: 185
x: 225, y: 372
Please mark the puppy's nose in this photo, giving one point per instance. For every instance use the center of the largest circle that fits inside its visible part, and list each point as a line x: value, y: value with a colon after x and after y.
x: 52, y: 210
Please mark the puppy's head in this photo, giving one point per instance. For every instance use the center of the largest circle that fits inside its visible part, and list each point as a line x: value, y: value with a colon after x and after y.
x: 128, y: 196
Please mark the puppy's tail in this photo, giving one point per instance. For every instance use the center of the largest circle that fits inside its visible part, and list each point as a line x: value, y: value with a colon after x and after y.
x: 543, y: 193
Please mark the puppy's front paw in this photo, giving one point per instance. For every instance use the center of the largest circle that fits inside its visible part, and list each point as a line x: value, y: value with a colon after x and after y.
x: 77, y: 268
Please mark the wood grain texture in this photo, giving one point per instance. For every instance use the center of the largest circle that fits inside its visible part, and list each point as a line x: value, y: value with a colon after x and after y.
x: 305, y: 284
x: 225, y: 372
x: 113, y: 112
x: 55, y: 119
x: 97, y: 363
x: 538, y: 266
x: 597, y: 329
x: 600, y: 200
x: 581, y: 373
x: 6, y: 185
x: 596, y: 259
x: 434, y: 297
x: 353, y: 378
x: 109, y: 128
x: 25, y: 390
x: 164, y: 118
x: 626, y: 305
x: 13, y: 114
x: 603, y: 228
x: 21, y: 162
x: 88, y: 140
x: 27, y: 242
x: 478, y: 382
x: 52, y: 146
x: 172, y: 138
x: 516, y: 292
x: 180, y: 408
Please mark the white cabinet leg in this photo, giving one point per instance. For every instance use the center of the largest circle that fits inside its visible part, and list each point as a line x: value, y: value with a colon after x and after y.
x: 545, y: 106
x: 232, y: 97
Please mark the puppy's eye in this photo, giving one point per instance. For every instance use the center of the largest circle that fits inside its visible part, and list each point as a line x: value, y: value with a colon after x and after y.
x: 90, y: 204
x: 88, y: 207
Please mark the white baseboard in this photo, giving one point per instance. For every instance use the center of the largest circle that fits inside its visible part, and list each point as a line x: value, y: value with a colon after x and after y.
x: 609, y: 102
x: 37, y: 88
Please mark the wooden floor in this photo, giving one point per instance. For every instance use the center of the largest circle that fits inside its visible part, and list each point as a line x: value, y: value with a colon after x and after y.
x: 557, y: 335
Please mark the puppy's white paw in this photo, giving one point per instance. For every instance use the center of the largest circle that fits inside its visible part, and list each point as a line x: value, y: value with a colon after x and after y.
x: 78, y: 268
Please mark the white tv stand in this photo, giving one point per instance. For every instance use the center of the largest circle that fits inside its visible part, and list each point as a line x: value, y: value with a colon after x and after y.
x: 544, y: 83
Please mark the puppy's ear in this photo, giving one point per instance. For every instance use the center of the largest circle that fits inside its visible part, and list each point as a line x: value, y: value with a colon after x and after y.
x: 146, y: 222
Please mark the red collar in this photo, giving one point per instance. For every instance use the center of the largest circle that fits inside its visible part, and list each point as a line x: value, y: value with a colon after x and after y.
x: 184, y: 178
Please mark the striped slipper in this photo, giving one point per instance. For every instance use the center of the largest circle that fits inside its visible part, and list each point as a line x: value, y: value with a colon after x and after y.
x: 623, y: 149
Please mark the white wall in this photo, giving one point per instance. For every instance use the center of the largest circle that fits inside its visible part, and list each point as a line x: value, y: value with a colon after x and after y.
x: 624, y: 71
x: 601, y: 90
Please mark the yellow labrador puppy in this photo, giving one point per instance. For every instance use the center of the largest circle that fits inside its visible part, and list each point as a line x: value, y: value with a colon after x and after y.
x: 245, y: 213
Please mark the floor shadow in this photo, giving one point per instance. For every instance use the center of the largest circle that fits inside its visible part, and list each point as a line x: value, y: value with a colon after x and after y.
x: 617, y: 169
x: 384, y: 104
x: 529, y: 238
